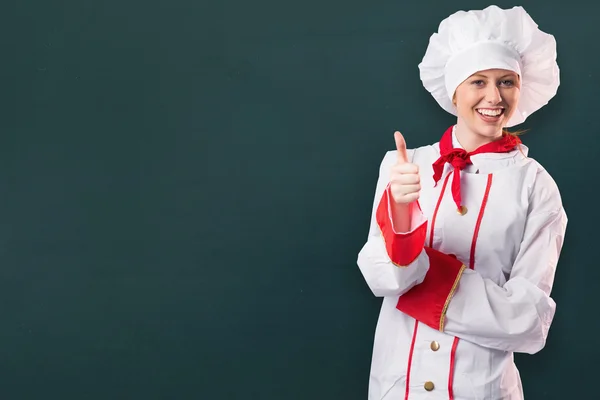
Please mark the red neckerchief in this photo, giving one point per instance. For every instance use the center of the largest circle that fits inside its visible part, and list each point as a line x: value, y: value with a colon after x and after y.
x: 459, y: 158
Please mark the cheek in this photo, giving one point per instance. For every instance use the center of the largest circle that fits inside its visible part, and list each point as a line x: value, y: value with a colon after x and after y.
x: 466, y: 101
x: 466, y: 108
x: 512, y: 97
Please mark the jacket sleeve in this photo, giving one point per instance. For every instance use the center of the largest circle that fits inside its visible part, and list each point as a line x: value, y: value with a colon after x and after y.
x: 517, y: 315
x: 392, y: 262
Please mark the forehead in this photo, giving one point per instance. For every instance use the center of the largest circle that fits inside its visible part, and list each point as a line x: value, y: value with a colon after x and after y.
x: 495, y: 73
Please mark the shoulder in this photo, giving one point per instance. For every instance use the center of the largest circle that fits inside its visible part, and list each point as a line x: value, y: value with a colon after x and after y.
x: 544, y: 192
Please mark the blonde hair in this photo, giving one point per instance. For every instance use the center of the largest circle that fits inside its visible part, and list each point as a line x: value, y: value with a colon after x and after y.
x: 516, y: 134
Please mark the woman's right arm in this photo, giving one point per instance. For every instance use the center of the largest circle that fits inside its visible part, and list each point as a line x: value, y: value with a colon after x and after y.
x: 392, y: 267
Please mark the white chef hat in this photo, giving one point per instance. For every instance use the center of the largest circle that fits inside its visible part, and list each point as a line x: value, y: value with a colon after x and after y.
x: 472, y: 41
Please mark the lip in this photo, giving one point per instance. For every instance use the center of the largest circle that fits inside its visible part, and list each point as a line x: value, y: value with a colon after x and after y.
x: 488, y: 118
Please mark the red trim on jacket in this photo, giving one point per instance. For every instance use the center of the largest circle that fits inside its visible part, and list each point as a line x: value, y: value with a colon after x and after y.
x: 451, y: 375
x: 437, y: 208
x: 410, y: 356
x: 428, y: 301
x: 402, y: 248
x: 479, y: 218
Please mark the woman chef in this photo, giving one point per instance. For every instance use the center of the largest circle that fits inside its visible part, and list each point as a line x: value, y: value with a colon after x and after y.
x: 466, y: 233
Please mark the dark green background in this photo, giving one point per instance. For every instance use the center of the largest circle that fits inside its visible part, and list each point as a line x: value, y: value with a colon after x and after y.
x: 185, y: 185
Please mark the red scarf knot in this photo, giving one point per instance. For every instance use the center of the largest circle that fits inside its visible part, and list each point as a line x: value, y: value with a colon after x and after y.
x: 460, y: 158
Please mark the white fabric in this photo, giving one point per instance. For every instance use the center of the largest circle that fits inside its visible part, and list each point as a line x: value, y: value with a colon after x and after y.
x: 501, y: 307
x: 472, y: 41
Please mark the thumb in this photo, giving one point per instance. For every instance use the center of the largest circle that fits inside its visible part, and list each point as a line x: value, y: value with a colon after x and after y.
x: 401, y: 147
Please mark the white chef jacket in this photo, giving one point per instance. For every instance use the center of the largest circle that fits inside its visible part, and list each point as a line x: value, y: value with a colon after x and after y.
x: 502, y: 302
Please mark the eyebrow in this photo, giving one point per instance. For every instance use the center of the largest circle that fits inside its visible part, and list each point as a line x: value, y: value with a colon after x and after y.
x: 502, y: 77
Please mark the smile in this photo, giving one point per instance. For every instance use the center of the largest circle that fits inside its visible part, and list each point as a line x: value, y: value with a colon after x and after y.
x: 490, y: 112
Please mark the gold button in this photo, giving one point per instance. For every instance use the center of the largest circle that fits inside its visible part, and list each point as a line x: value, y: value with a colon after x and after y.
x: 462, y: 210
x: 429, y: 386
x: 435, y: 346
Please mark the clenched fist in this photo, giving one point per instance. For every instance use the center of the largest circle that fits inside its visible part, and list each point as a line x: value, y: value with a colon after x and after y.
x: 405, y: 182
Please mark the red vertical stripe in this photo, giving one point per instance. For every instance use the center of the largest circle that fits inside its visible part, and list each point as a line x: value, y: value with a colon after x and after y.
x: 451, y: 377
x: 437, y: 207
x: 412, y: 348
x: 472, y: 266
x: 478, y: 224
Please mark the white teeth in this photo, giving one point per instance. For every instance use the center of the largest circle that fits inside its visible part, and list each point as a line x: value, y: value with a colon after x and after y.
x: 491, y: 113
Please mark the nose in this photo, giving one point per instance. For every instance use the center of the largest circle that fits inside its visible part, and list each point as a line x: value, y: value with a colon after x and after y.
x: 492, y: 95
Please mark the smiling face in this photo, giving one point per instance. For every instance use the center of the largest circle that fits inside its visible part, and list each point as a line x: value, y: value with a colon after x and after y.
x: 485, y: 102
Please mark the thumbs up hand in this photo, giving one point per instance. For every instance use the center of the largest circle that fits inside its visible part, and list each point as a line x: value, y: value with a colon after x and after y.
x: 405, y: 182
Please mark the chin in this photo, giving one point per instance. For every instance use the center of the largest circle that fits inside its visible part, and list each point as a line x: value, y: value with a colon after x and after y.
x: 488, y: 130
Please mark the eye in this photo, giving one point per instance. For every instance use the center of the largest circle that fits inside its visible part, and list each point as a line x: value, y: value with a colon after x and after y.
x: 477, y: 82
x: 507, y: 82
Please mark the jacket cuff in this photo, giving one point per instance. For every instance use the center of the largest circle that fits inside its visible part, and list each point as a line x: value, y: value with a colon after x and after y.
x: 428, y: 301
x: 402, y: 247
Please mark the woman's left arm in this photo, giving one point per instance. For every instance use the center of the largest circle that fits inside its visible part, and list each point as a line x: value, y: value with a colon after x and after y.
x: 513, y: 317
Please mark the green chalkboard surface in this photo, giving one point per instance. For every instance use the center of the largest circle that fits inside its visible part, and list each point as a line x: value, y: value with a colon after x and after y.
x: 185, y: 186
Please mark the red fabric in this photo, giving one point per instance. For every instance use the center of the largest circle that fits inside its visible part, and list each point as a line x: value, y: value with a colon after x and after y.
x: 479, y: 218
x: 425, y: 302
x: 410, y: 355
x: 451, y: 375
x: 437, y: 207
x: 460, y: 158
x: 402, y: 248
